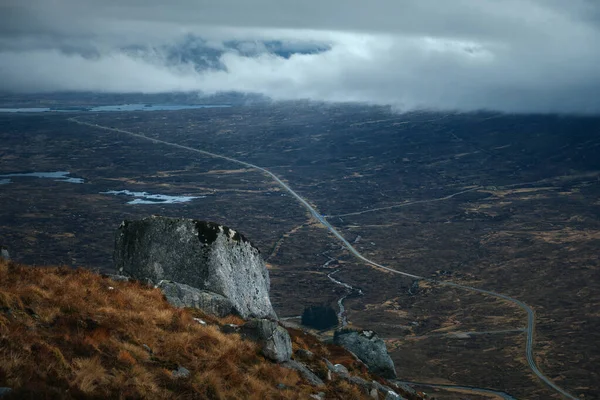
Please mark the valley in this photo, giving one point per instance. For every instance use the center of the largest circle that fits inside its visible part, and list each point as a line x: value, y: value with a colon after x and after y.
x: 505, y: 204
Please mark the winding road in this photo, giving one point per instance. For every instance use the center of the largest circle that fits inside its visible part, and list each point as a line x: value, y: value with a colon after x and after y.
x: 502, y: 395
x: 530, y: 313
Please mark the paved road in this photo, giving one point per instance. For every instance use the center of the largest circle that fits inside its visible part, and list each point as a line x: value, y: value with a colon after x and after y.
x: 409, y: 203
x: 504, y: 396
x: 465, y: 335
x: 530, y: 313
x: 530, y: 333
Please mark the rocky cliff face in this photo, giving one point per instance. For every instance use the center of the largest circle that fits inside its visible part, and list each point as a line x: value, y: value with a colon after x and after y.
x: 203, y: 255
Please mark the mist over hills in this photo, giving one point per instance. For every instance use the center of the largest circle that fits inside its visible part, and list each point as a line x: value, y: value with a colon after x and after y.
x: 205, y: 55
x: 516, y: 56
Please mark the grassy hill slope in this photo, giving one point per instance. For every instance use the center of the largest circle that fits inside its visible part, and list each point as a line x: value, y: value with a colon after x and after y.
x: 68, y: 333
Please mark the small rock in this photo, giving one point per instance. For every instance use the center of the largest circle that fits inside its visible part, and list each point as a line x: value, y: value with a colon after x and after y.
x: 405, y: 388
x: 200, y: 321
x: 111, y: 288
x: 318, y: 396
x: 230, y: 328
x: 118, y: 278
x: 275, y: 340
x: 181, y: 372
x: 4, y: 254
x: 305, y: 354
x: 370, y: 349
x: 147, y: 348
x: 306, y: 373
x: 386, y: 391
x: 340, y: 369
x: 282, y: 386
x: 391, y: 395
x: 374, y: 394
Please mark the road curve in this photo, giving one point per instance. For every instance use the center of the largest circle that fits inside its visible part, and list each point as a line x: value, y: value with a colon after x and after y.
x: 503, y: 395
x: 530, y: 313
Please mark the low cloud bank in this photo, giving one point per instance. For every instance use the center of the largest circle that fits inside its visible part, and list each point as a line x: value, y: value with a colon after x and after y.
x: 550, y: 66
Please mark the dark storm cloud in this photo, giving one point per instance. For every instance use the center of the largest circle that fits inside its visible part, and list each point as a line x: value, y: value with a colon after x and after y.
x: 511, y: 55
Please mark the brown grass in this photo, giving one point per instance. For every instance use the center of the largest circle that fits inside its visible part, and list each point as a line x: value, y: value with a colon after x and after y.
x: 73, y: 334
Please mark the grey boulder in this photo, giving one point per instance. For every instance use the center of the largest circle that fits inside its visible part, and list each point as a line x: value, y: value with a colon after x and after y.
x: 305, y: 354
x: 274, y: 340
x: 405, y: 388
x: 231, y: 328
x: 118, y: 278
x: 181, y: 295
x: 304, y: 371
x: 4, y: 253
x: 391, y: 395
x: 180, y: 372
x: 370, y: 349
x: 340, y: 369
x: 204, y: 255
x: 386, y: 391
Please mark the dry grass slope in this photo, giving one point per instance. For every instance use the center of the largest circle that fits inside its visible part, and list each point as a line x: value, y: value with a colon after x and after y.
x: 73, y: 334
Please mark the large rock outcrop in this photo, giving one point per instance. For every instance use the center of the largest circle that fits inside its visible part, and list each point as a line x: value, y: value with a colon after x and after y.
x: 370, y: 349
x: 203, y: 255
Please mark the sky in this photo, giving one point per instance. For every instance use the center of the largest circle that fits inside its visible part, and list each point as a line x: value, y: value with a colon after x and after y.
x: 505, y: 55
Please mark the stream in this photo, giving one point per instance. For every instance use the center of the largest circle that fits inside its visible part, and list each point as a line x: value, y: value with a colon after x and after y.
x: 342, y: 316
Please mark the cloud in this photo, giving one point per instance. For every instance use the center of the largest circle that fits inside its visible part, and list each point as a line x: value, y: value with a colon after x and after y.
x: 515, y: 55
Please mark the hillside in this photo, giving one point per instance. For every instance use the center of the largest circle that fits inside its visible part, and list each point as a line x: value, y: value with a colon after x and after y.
x: 68, y: 333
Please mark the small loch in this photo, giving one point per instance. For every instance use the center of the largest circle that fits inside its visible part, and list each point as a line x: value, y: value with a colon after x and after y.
x: 58, y: 176
x: 149, y: 198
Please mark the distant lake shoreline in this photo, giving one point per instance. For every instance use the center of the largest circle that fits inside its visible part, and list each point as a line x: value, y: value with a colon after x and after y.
x: 115, y: 108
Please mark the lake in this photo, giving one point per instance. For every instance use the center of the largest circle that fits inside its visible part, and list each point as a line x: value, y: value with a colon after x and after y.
x: 59, y: 176
x: 148, y: 198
